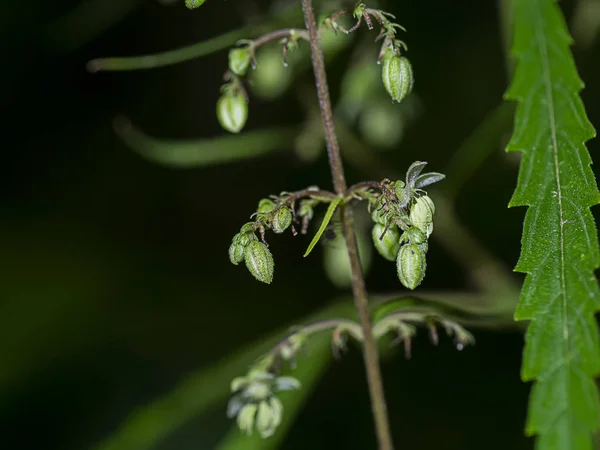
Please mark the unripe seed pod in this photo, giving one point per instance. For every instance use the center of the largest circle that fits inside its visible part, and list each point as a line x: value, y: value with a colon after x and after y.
x: 379, y: 214
x: 236, y: 253
x: 427, y: 200
x: 411, y: 265
x: 414, y: 236
x: 397, y: 75
x: 266, y: 205
x: 259, y: 261
x: 421, y: 214
x: 239, y: 60
x: 282, y: 219
x: 390, y: 244
x: 232, y: 111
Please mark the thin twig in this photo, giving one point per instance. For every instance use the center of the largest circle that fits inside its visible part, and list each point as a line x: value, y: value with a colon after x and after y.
x: 285, y: 33
x: 371, y: 357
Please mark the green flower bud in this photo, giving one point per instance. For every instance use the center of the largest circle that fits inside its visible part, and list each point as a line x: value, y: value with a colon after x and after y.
x: 239, y: 60
x: 245, y: 418
x: 414, y: 236
x: 248, y: 227
x: 232, y: 111
x: 421, y: 214
x: 411, y: 265
x: 399, y: 188
x: 306, y: 210
x: 268, y: 416
x: 236, y: 252
x: 192, y: 4
x: 282, y: 219
x: 246, y: 235
x: 259, y: 261
x: 390, y: 244
x: 266, y: 205
x: 379, y: 214
x: 276, y: 411
x: 397, y: 75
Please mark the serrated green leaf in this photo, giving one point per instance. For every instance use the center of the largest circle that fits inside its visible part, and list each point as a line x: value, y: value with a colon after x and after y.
x: 560, y: 247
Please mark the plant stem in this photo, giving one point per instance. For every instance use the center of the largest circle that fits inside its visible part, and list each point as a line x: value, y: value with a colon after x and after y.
x: 374, y: 379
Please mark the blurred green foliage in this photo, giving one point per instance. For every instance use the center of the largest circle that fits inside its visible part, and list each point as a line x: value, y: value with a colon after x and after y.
x: 117, y: 292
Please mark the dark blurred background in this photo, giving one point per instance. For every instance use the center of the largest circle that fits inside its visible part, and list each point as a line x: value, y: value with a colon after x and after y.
x: 115, y: 280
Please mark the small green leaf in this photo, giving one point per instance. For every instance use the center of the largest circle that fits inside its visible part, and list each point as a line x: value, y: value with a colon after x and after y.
x: 193, y: 4
x: 560, y: 246
x: 328, y: 215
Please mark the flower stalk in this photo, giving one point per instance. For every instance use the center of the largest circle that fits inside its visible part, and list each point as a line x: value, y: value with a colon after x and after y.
x: 371, y: 357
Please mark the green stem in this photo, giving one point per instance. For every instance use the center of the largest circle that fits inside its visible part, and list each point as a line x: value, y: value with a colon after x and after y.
x: 371, y: 357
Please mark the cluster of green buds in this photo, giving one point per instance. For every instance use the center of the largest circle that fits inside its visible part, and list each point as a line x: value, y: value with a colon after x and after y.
x: 245, y: 246
x: 232, y: 107
x: 403, y: 217
x: 254, y: 403
x: 276, y: 214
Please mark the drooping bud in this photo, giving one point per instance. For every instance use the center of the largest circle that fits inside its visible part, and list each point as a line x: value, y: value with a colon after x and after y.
x: 259, y: 261
x: 239, y: 60
x: 397, y: 75
x: 248, y: 227
x: 411, y: 265
x: 306, y: 210
x: 421, y: 214
x: 282, y: 219
x: 245, y: 418
x: 390, y: 244
x: 232, y: 111
x: 268, y: 416
x: 266, y: 205
x: 236, y: 252
x: 246, y: 234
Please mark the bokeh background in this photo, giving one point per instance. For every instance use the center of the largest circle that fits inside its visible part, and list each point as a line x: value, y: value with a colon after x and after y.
x: 115, y: 286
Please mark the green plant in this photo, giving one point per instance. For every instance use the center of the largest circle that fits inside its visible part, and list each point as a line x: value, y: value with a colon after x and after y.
x: 560, y: 248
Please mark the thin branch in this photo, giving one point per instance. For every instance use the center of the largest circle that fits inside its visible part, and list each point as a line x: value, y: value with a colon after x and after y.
x: 358, y: 285
x: 285, y: 33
